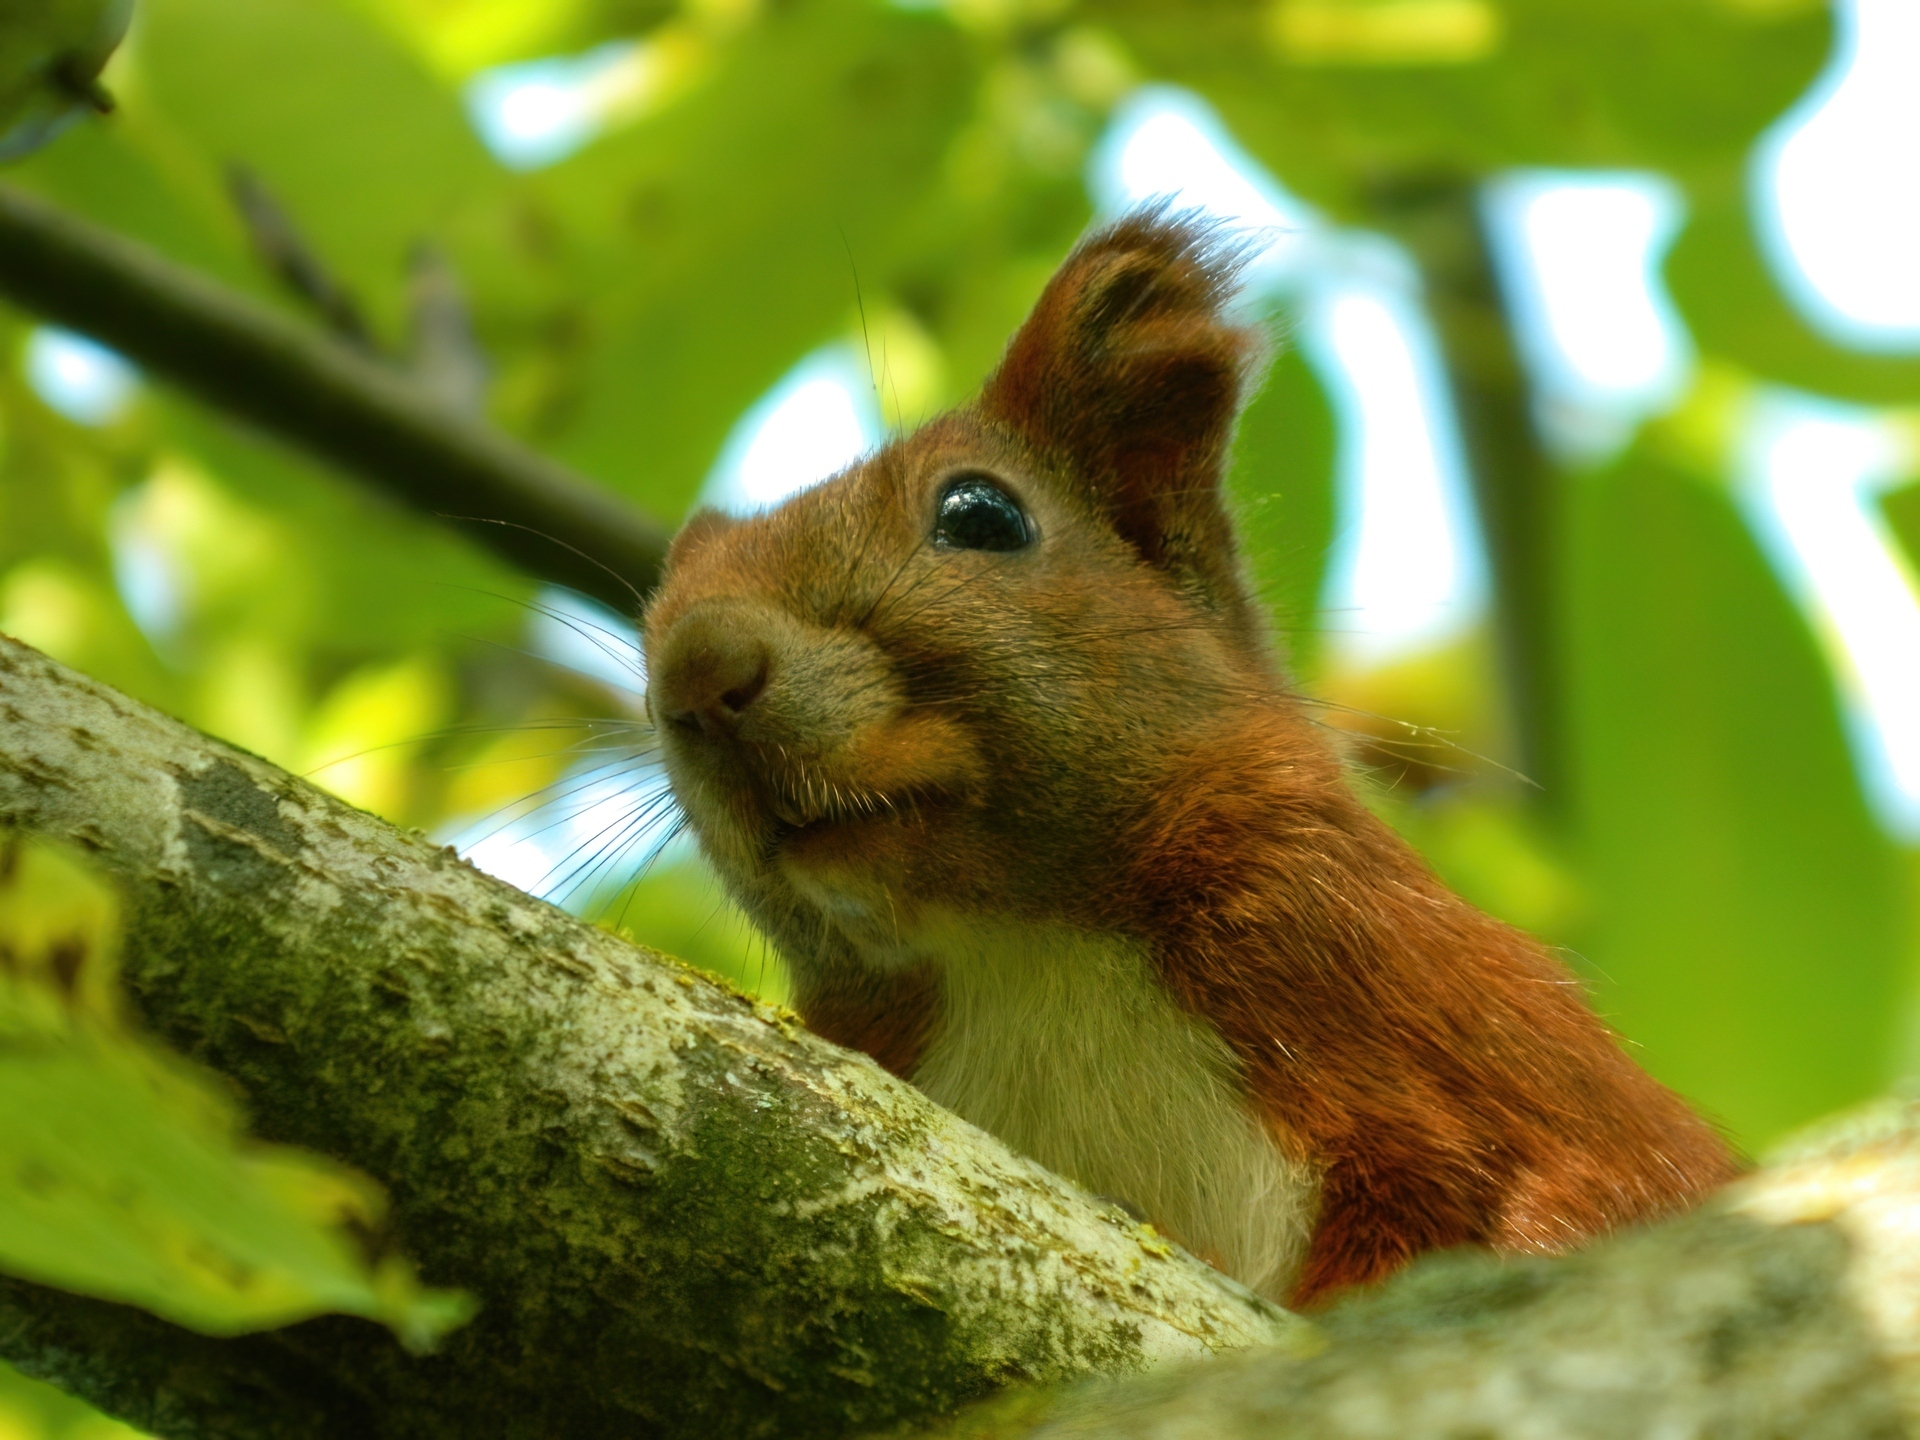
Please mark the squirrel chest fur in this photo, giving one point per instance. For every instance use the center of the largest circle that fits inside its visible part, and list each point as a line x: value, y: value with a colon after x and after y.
x: 985, y: 733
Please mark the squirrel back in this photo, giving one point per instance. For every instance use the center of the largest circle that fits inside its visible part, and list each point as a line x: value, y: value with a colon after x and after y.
x: 986, y: 734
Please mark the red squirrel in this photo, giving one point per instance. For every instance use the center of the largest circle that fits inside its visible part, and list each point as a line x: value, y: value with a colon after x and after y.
x: 987, y: 735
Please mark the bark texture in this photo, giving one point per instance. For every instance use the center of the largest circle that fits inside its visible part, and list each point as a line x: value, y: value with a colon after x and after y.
x: 1789, y: 1308
x: 685, y: 1216
x: 682, y: 1214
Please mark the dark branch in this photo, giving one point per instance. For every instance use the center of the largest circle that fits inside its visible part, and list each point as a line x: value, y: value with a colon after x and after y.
x: 323, y: 396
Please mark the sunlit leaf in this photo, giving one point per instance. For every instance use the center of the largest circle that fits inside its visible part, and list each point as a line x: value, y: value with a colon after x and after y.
x: 457, y: 37
x: 125, y: 1172
x: 1386, y: 32
x: 362, y: 735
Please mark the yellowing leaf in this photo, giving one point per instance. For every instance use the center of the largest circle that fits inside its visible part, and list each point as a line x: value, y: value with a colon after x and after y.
x: 251, y: 692
x: 515, y: 764
x: 217, y: 549
x: 1386, y: 32
x: 123, y: 1170
x: 33, y: 1410
x: 457, y: 37
x: 57, y: 931
x: 909, y: 372
x: 362, y: 738
x: 48, y: 604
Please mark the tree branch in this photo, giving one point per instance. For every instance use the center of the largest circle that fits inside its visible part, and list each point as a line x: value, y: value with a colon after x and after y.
x: 683, y: 1215
x: 1791, y: 1306
x: 327, y: 398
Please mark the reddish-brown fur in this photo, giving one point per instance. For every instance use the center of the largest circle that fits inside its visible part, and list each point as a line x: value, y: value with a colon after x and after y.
x: 1441, y: 1066
x: 1091, y: 734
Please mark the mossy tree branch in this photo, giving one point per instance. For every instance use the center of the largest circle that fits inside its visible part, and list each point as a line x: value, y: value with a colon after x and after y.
x: 1786, y: 1309
x: 681, y: 1213
x: 328, y: 398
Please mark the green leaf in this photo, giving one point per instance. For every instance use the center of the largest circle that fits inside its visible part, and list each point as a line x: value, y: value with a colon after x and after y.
x: 126, y: 1175
x: 1281, y: 488
x: 714, y: 244
x: 683, y: 911
x: 34, y: 1410
x: 1902, y: 508
x: 365, y: 149
x: 1751, y: 916
x: 1735, y: 309
x: 1679, y: 85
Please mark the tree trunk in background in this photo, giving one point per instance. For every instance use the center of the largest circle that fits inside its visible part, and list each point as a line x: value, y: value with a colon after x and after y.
x: 1515, y: 484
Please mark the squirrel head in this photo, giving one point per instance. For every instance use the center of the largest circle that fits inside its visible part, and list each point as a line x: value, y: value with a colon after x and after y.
x: 938, y: 684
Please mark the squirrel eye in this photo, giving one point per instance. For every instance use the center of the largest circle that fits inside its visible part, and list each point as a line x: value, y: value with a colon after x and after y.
x: 976, y: 514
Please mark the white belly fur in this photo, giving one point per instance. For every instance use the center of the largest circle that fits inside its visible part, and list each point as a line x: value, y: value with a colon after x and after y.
x: 1065, y: 1046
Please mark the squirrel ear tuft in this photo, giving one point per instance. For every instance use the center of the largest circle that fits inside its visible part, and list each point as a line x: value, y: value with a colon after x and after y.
x: 1129, y: 377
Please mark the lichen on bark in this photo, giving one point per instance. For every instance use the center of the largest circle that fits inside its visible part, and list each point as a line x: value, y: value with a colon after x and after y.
x: 684, y: 1215
x: 680, y: 1211
x: 1715, y: 1325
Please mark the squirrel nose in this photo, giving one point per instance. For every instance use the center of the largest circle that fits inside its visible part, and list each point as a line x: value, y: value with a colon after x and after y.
x: 713, y: 666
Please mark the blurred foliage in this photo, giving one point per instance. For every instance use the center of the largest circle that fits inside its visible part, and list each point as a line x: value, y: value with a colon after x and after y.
x: 1749, y: 917
x: 51, y: 55
x: 798, y: 172
x: 128, y: 1177
x: 1676, y: 85
x: 1279, y: 485
x: 31, y: 1410
x: 1902, y: 507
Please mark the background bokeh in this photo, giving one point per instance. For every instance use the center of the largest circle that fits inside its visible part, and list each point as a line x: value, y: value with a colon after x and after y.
x: 1582, y: 493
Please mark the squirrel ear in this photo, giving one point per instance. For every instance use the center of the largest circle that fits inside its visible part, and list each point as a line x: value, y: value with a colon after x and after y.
x: 1128, y: 376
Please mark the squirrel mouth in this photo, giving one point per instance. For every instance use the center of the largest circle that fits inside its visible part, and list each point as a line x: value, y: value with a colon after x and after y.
x: 842, y: 811
x: 832, y: 806
x: 884, y: 778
